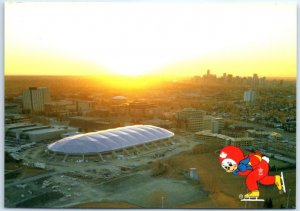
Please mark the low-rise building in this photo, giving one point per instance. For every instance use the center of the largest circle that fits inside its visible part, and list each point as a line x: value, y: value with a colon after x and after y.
x: 142, y: 109
x: 234, y: 133
x: 193, y: 120
x: 15, y: 118
x: 258, y: 134
x: 28, y: 132
x: 209, y: 137
x: 60, y: 108
x: 243, y: 142
x: 12, y: 108
x: 43, y: 134
x: 89, y: 124
x: 16, y: 132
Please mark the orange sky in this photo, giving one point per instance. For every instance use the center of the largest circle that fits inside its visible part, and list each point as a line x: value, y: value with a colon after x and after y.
x: 180, y: 39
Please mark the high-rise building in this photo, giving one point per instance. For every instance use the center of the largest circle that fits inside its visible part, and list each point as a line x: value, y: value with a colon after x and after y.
x: 34, y: 98
x: 255, y: 79
x: 217, y: 124
x: 249, y: 96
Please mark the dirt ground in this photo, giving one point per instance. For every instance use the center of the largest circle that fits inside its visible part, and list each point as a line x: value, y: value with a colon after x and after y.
x: 220, y: 185
x: 224, y: 188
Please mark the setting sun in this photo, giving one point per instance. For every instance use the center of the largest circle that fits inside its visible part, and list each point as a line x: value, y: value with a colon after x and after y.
x: 135, y: 39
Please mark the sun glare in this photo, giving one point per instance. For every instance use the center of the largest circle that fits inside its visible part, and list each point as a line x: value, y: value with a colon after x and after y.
x: 129, y: 72
x: 135, y: 39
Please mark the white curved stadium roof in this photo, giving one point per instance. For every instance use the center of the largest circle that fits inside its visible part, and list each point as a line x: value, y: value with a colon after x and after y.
x: 109, y: 140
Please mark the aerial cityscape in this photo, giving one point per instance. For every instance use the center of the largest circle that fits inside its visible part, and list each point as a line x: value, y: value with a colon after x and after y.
x: 135, y: 110
x: 202, y: 114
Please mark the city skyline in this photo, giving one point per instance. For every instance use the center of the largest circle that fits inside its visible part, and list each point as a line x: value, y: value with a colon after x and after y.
x: 138, y: 39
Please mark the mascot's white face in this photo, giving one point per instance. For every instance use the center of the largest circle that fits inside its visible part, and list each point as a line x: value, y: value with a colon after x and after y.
x: 229, y: 165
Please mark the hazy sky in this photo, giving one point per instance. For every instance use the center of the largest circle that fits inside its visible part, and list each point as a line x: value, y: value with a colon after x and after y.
x: 148, y: 38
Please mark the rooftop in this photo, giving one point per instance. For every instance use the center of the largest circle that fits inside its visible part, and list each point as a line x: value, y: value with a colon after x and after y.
x: 209, y: 133
x: 109, y: 140
x: 43, y: 131
x: 18, y: 125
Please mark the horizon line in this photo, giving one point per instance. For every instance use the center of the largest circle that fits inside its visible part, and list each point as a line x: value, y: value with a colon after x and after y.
x: 137, y: 76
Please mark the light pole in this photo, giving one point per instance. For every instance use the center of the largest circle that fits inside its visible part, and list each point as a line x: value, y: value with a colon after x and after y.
x: 287, y: 203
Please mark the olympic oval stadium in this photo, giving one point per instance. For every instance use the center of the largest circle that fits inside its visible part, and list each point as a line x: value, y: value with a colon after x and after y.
x: 123, y: 139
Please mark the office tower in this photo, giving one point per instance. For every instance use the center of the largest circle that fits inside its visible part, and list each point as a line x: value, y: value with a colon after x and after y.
x: 249, y: 96
x: 34, y: 98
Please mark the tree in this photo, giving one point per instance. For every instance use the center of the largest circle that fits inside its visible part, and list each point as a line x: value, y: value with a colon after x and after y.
x: 268, y: 203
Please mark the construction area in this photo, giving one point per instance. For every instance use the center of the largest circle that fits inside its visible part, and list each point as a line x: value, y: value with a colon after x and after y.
x: 43, y: 180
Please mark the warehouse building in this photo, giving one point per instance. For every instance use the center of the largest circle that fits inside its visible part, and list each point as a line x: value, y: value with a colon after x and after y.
x: 43, y: 134
x: 28, y: 132
x: 124, y: 140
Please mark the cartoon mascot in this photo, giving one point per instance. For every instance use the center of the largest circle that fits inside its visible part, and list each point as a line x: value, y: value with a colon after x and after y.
x: 254, y: 166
